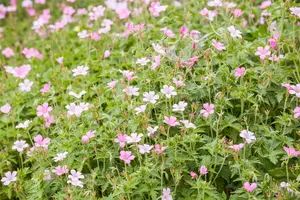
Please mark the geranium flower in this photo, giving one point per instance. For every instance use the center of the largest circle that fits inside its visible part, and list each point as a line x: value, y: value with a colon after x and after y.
x: 25, y: 86
x: 80, y: 70
x: 218, y: 45
x: 240, y: 71
x: 45, y: 88
x: 145, y: 148
x: 131, y: 91
x: 169, y: 91
x: 43, y: 110
x: 75, y: 178
x: 166, y: 194
x: 291, y: 151
x: 5, y: 108
x: 159, y: 149
x: 234, y: 33
x: 142, y: 61
x: 60, y: 156
x: 41, y: 142
x: 25, y: 124
x: 171, y: 121
x: 188, y: 124
x: 78, y: 96
x: 121, y: 139
x: 140, y: 109
x: 203, y: 170
x: 8, y: 52
x: 126, y: 156
x: 208, y: 110
x: 249, y: 187
x: 248, y: 136
x: 151, y: 130
x: 295, y: 90
x: 193, y: 175
x: 180, y: 106
x: 9, y: 177
x: 60, y: 170
x: 237, y: 147
x: 263, y: 52
x: 20, y: 145
x: 156, y: 8
x: 112, y: 84
x: 134, y: 138
x: 150, y: 97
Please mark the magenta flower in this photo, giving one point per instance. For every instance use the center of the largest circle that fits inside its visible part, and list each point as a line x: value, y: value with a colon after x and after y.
x: 295, y: 90
x: 193, y: 175
x: 240, y: 71
x: 203, y: 170
x: 60, y: 170
x: 208, y: 109
x: 249, y: 187
x: 291, y: 151
x: 43, y: 110
x: 237, y: 147
x: 126, y: 156
x: 171, y: 121
x: 218, y: 45
x: 263, y: 52
x: 45, y: 88
x: 41, y: 142
x: 121, y: 139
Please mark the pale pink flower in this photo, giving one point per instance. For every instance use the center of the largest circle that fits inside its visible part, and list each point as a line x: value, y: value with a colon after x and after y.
x: 126, y: 156
x: 9, y: 177
x: 156, y: 8
x: 168, y: 32
x: 178, y: 82
x: 8, y: 52
x: 112, y: 84
x: 218, y: 45
x: 49, y: 119
x: 89, y: 135
x: 124, y: 13
x: 150, y: 97
x: 166, y: 194
x: 134, y: 138
x: 81, y: 11
x: 237, y: 12
x: 234, y: 33
x: 95, y: 36
x: 159, y: 149
x: 22, y: 71
x: 193, y: 175
x: 248, y: 136
x: 249, y: 187
x: 169, y: 91
x: 121, y: 139
x: 43, y: 110
x: 240, y: 71
x: 32, y: 53
x: 74, y: 109
x: 171, y: 121
x: 156, y: 62
x: 295, y: 90
x: 204, y: 12
x: 40, y: 1
x: 60, y: 60
x: 5, y: 108
x: 297, y: 112
x: 263, y: 52
x: 106, y: 54
x: 265, y: 4
x: 45, y: 88
x: 60, y: 170
x: 97, y: 12
x: 140, y: 109
x: 291, y: 151
x: 287, y: 86
x: 295, y: 11
x: 203, y: 170
x: 145, y: 148
x: 237, y: 147
x: 41, y: 142
x: 208, y: 109
x: 75, y: 178
x: 131, y: 91
x: 184, y: 31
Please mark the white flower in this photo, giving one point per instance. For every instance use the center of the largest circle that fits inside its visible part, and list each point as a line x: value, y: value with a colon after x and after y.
x: 78, y: 96
x: 80, y: 70
x: 9, y: 177
x: 20, y: 145
x: 75, y: 175
x: 47, y: 175
x: 215, y: 3
x: 134, y: 138
x: 73, y: 109
x: 234, y: 33
x: 140, y: 109
x: 248, y: 136
x: 159, y: 49
x: 83, y: 34
x: 131, y: 91
x: 168, y: 91
x: 76, y: 182
x: 284, y: 184
x: 24, y: 124
x: 26, y: 85
x: 150, y: 97
x: 188, y: 124
x: 151, y: 130
x: 180, y: 106
x: 5, y: 108
x: 295, y: 11
x: 60, y: 156
x: 84, y: 106
x: 145, y: 148
x: 142, y: 61
x: 27, y: 4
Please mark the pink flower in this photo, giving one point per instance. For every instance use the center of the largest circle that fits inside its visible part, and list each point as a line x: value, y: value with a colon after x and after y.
x: 49, y: 119
x: 171, y: 121
x: 178, y: 83
x: 240, y: 71
x: 106, y: 54
x: 8, y: 52
x: 22, y: 71
x: 194, y: 175
x: 95, y: 36
x: 126, y: 156
x: 287, y: 86
x: 237, y: 147
x: 218, y: 45
x: 5, y: 108
x: 40, y: 1
x: 184, y: 31
x: 156, y: 62
x: 60, y: 170
x: 249, y: 187
x: 204, y: 12
x: 156, y: 8
x: 60, y: 60
x: 41, y: 142
x: 237, y: 12
x: 263, y: 52
x: 203, y: 170
x: 112, y: 84
x: 81, y: 11
x: 265, y: 4
x: 168, y: 32
x: 297, y: 112
x: 124, y: 13
x: 46, y: 88
x: 32, y: 53
x: 208, y: 109
x: 89, y: 135
x: 166, y: 194
x: 159, y: 149
x: 295, y: 90
x: 291, y: 151
x: 43, y: 110
x: 121, y: 139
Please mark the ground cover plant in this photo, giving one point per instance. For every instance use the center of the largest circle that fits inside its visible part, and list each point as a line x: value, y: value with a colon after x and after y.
x: 142, y: 99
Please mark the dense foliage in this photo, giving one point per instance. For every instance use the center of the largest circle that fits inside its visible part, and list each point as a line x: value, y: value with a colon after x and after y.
x: 137, y: 99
